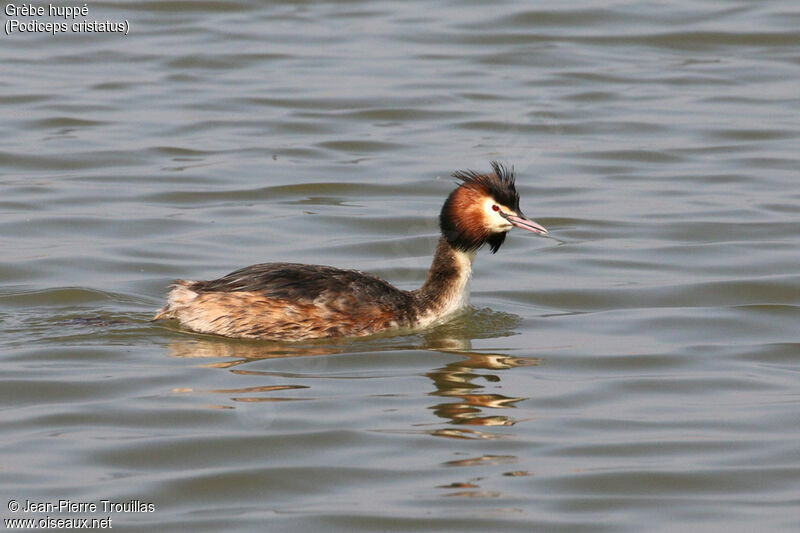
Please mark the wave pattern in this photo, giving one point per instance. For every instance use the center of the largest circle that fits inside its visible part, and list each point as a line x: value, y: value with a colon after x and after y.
x: 641, y: 373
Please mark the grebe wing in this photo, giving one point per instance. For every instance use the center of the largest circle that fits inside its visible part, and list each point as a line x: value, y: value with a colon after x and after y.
x: 305, y: 283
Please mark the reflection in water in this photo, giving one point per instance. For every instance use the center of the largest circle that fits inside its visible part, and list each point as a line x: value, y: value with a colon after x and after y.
x: 474, y: 494
x: 517, y: 473
x: 239, y: 352
x: 466, y: 400
x: 484, y: 460
x: 466, y: 485
x: 463, y: 434
x: 456, y: 380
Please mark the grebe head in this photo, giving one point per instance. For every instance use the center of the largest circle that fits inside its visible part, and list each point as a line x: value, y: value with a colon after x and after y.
x: 483, y: 209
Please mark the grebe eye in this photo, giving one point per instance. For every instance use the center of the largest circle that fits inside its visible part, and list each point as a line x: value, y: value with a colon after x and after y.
x: 495, y: 207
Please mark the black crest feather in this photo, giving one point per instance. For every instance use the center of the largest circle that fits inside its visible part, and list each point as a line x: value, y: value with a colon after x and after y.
x: 500, y: 184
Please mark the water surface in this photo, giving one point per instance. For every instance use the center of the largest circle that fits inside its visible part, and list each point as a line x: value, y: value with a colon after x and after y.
x: 641, y: 374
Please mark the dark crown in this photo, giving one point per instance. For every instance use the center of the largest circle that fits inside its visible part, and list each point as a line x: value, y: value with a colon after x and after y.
x: 500, y: 184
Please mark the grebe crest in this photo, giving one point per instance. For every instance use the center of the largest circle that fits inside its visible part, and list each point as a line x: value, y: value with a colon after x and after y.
x: 291, y: 302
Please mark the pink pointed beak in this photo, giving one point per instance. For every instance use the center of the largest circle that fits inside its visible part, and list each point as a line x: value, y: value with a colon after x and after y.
x: 526, y: 223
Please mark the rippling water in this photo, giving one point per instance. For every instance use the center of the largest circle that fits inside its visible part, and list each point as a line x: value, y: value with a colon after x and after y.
x: 639, y: 374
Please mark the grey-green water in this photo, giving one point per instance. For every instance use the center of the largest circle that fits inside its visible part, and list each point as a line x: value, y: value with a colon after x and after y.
x: 641, y: 375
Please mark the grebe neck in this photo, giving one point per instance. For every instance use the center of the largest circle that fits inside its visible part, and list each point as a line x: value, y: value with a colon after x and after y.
x: 447, y: 288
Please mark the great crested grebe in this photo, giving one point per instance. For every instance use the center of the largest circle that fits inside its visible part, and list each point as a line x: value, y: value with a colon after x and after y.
x: 292, y: 302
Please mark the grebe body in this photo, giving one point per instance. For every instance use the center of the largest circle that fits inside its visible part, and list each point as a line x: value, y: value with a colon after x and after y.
x: 293, y: 302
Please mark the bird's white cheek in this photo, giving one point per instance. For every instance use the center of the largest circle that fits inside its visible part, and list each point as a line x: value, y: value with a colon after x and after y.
x: 498, y: 223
